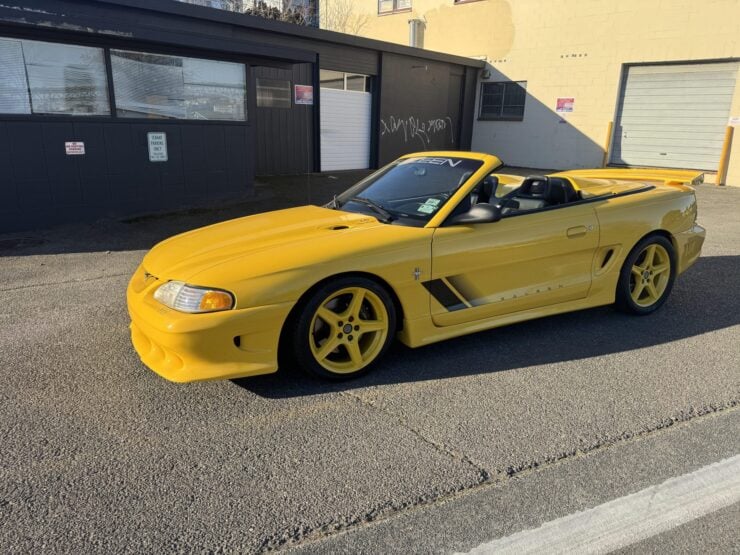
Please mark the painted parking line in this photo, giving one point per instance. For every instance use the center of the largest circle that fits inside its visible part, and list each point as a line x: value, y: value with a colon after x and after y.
x: 630, y: 519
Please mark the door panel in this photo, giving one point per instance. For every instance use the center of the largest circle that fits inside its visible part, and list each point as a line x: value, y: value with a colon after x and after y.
x: 345, y: 130
x: 521, y: 262
x: 284, y: 135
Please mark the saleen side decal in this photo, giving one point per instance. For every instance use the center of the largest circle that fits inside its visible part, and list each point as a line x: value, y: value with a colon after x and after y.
x: 444, y: 294
x: 462, y: 286
x: 456, y: 293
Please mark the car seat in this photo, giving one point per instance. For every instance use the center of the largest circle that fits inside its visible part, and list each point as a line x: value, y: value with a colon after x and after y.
x: 559, y: 191
x: 532, y: 193
x: 484, y: 191
x: 538, y: 192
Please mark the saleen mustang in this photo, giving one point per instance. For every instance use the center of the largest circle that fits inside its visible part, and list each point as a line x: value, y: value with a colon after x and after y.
x: 432, y: 246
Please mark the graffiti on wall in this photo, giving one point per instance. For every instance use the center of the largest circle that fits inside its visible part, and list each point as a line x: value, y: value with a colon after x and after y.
x: 413, y: 129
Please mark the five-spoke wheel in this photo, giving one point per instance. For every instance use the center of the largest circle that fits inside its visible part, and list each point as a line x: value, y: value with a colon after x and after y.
x: 650, y: 274
x: 647, y: 276
x: 344, y: 327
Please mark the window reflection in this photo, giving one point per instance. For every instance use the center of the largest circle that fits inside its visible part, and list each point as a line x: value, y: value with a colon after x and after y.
x: 51, y: 78
x: 158, y: 86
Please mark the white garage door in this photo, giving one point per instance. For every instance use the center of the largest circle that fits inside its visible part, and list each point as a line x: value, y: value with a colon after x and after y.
x: 674, y: 116
x: 345, y: 130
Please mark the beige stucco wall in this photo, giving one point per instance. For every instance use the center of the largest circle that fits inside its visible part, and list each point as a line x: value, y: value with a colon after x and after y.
x: 568, y: 48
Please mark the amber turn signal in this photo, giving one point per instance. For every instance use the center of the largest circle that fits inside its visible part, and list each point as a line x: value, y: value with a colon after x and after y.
x: 215, y: 300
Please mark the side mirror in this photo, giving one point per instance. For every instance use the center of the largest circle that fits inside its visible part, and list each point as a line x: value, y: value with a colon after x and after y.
x: 478, y: 214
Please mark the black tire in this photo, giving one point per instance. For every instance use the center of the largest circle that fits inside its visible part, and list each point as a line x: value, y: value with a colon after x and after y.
x: 301, y: 351
x: 624, y: 298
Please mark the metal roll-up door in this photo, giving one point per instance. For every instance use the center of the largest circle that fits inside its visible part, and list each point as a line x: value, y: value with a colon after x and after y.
x: 674, y: 116
x: 345, y: 129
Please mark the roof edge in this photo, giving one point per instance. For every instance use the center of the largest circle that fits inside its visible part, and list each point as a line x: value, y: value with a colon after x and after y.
x: 262, y: 24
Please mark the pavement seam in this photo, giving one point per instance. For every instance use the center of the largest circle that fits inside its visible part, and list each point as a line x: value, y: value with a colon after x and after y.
x: 82, y: 280
x: 310, y: 535
x: 683, y: 417
x: 440, y: 447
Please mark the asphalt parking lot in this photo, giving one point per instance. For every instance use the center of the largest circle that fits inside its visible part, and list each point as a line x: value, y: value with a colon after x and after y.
x: 100, y: 454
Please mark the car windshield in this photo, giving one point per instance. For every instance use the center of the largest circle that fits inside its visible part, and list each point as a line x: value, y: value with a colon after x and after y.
x: 408, y: 191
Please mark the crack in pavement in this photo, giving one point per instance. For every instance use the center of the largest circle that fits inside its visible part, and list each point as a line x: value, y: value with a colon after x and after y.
x: 291, y: 537
x: 82, y: 280
x: 604, y: 442
x: 306, y: 534
x: 436, y: 445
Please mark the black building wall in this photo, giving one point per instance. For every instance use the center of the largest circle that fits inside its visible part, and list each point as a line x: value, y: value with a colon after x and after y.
x: 421, y: 101
x: 284, y: 137
x: 40, y: 185
x: 421, y: 106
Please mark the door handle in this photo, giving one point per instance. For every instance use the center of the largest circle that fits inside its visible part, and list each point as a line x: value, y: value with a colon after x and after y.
x: 577, y: 231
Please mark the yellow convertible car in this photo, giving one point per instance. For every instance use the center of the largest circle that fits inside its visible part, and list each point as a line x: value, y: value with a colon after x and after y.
x: 432, y: 246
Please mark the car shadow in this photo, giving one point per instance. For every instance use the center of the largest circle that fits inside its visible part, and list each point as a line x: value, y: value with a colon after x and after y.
x: 703, y: 300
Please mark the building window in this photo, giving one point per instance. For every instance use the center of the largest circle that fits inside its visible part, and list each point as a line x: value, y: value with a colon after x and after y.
x: 331, y: 79
x: 273, y: 93
x: 50, y: 78
x: 390, y: 6
x: 14, y: 96
x: 158, y: 86
x: 342, y: 81
x: 503, y: 101
x: 357, y: 82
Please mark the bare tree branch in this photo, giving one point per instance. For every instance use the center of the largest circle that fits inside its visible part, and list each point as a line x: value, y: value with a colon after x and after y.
x: 341, y: 16
x: 299, y: 12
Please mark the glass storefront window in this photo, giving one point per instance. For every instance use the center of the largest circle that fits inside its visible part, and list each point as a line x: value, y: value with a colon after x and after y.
x: 160, y: 86
x: 51, y: 78
x: 14, y: 96
x: 63, y: 79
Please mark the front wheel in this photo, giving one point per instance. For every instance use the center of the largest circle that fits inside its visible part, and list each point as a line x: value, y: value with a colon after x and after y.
x: 345, y: 326
x: 647, y: 276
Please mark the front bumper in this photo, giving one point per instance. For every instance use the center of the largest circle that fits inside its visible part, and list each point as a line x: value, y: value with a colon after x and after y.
x: 194, y: 347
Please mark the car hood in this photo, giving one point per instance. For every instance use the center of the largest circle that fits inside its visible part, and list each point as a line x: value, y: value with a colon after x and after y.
x: 264, y: 238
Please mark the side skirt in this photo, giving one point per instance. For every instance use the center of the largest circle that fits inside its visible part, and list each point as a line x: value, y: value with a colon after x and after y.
x: 422, y: 331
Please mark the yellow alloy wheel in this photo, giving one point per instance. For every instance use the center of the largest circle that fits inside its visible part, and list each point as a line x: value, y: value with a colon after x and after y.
x: 348, y: 330
x: 650, y: 275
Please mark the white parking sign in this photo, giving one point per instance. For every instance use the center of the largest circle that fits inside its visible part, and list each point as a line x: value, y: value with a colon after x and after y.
x: 157, y: 146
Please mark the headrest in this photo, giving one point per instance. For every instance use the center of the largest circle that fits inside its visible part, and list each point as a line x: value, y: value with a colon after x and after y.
x: 560, y: 191
x: 490, y: 184
x: 553, y: 190
x: 534, y: 187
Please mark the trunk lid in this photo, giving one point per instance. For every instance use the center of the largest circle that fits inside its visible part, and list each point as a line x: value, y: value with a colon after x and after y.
x: 643, y: 175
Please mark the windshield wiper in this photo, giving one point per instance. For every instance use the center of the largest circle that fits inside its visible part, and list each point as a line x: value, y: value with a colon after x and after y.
x: 375, y: 207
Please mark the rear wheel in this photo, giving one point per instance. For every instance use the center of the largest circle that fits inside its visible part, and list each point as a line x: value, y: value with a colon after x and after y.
x: 344, y: 328
x: 647, y: 276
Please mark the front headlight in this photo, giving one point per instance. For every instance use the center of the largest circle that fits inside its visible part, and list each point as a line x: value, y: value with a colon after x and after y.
x: 189, y: 298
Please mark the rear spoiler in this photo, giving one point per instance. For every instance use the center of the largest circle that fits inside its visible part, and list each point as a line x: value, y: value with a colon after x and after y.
x: 668, y: 177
